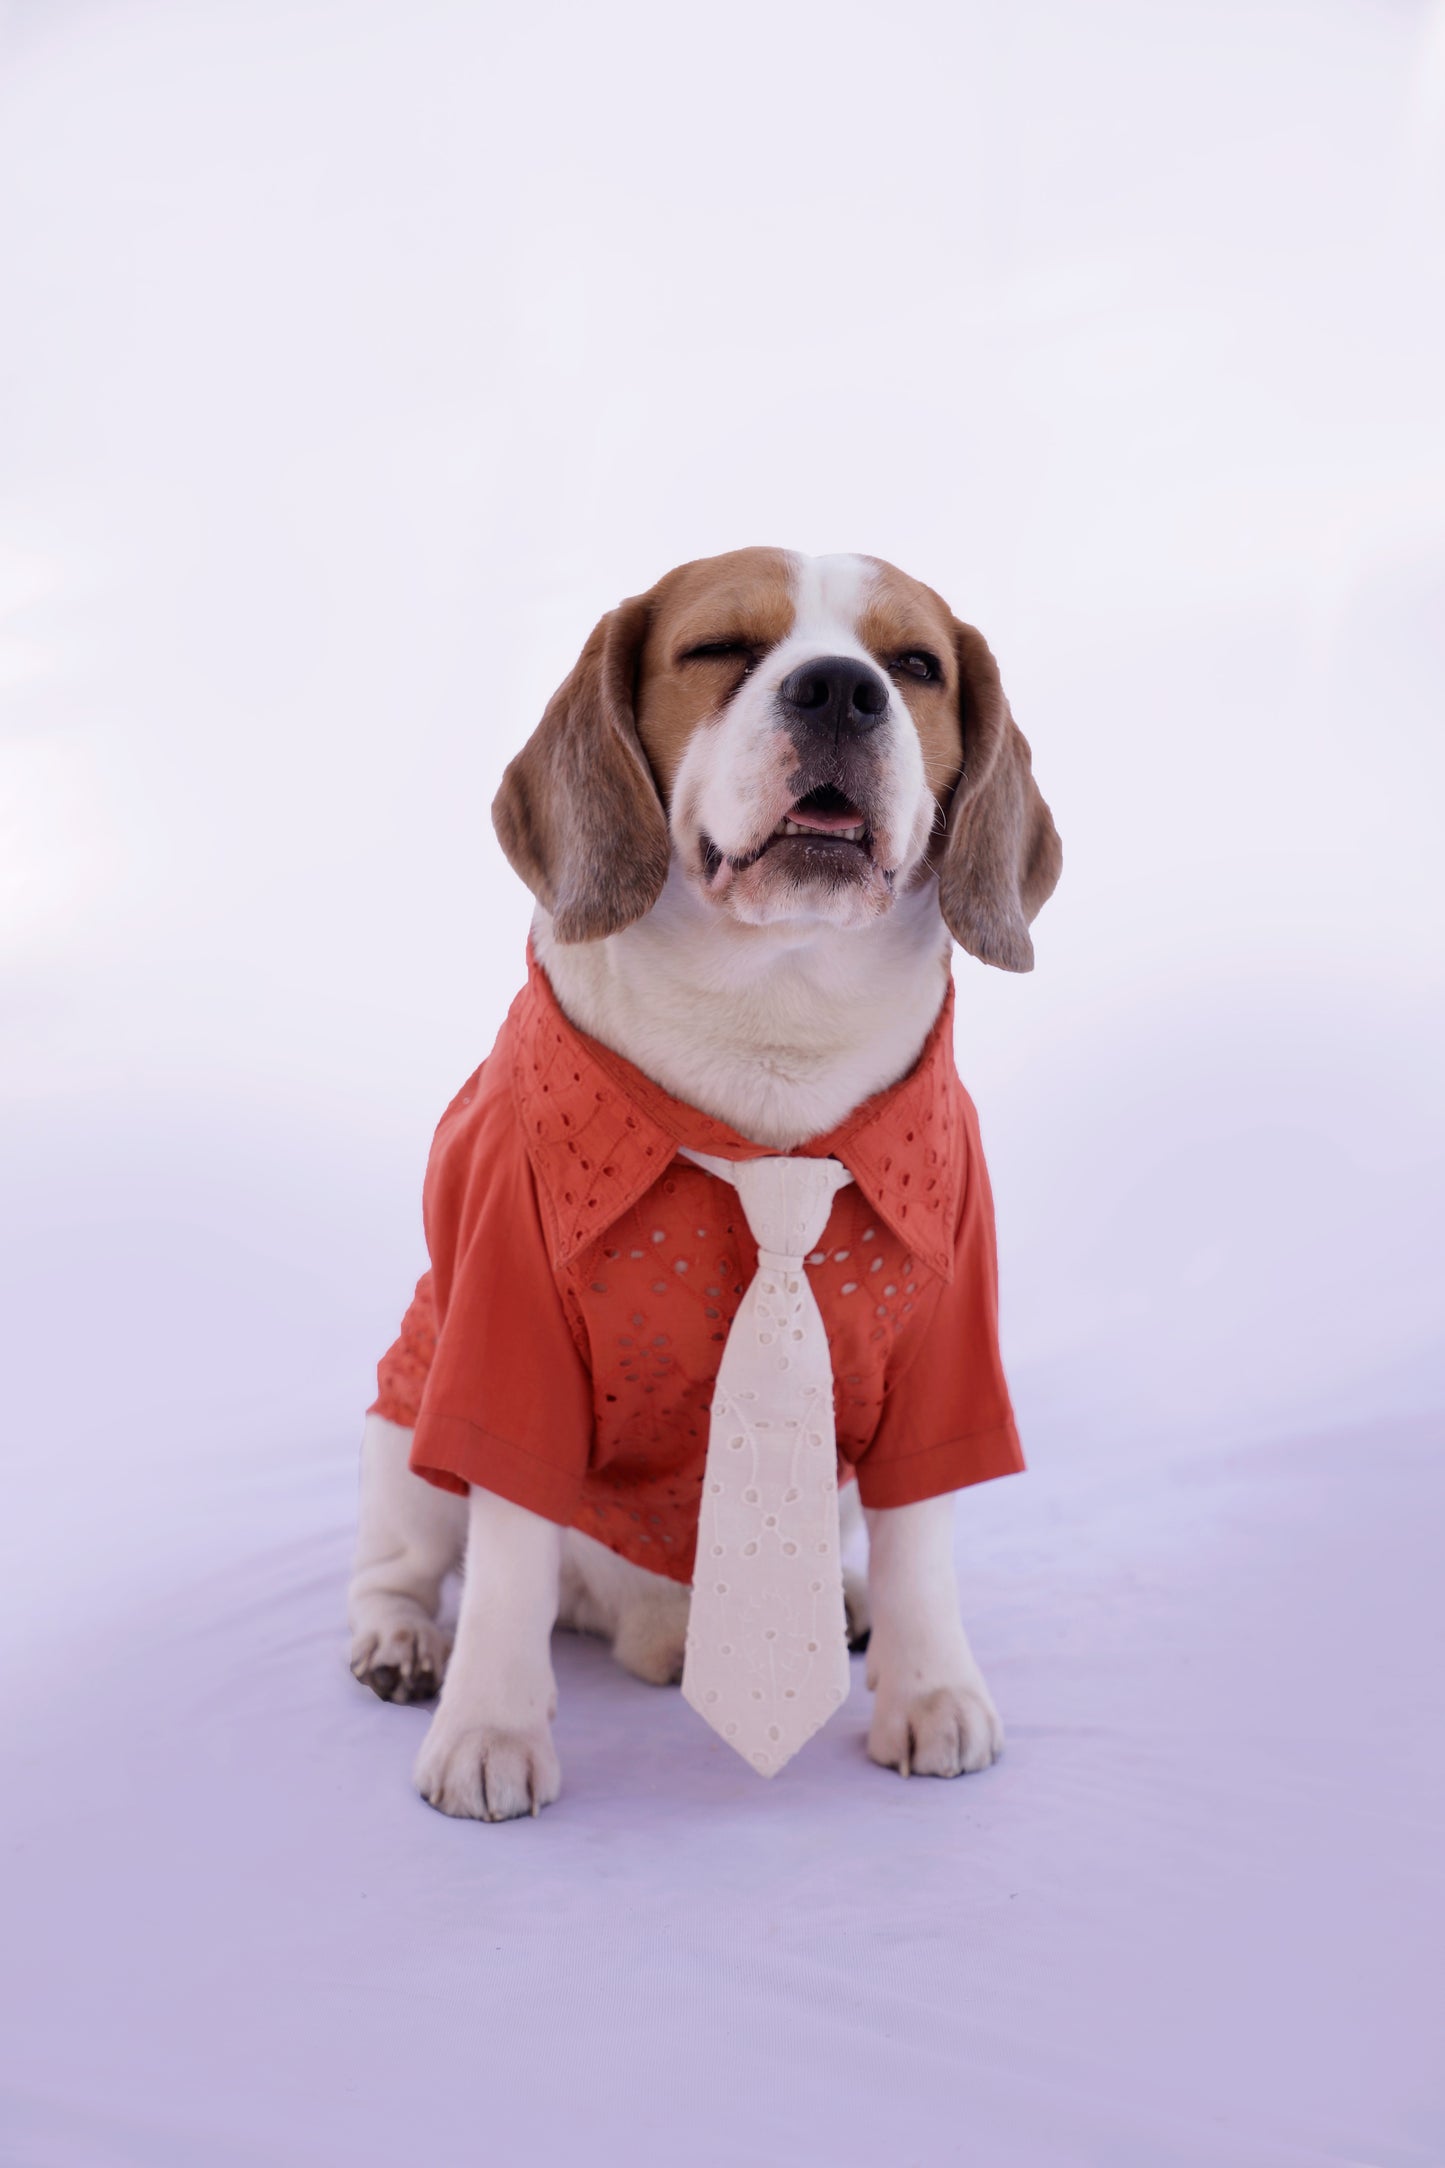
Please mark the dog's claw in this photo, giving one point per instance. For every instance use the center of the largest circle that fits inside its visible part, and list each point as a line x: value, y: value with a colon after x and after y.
x: 402, y: 1662
x: 487, y: 1774
x: 947, y: 1732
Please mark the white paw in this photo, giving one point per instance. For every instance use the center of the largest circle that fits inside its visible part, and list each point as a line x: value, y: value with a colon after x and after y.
x: 487, y: 1774
x: 950, y: 1731
x: 401, y: 1658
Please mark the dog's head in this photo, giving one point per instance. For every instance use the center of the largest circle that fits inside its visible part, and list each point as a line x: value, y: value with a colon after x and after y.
x: 807, y: 737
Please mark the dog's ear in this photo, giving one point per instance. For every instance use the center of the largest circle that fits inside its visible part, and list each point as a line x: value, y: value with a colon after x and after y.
x: 578, y: 814
x: 1001, y: 855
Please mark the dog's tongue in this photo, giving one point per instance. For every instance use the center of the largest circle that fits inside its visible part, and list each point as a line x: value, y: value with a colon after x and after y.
x: 825, y: 823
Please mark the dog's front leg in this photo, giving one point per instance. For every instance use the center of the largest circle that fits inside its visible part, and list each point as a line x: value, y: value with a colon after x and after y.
x: 933, y: 1715
x: 489, y: 1751
x: 409, y: 1537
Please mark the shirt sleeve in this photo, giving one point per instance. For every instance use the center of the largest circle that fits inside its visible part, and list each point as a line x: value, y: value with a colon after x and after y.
x: 402, y: 1373
x: 947, y: 1420
x: 508, y: 1401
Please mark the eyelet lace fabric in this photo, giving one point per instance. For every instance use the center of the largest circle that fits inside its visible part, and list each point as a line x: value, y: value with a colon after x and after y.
x: 767, y: 1646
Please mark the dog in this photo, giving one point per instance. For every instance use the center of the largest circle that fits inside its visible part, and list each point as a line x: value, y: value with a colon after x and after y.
x: 769, y: 797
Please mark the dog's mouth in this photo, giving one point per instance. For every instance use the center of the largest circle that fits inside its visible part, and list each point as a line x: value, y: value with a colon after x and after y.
x: 823, y: 812
x: 823, y: 831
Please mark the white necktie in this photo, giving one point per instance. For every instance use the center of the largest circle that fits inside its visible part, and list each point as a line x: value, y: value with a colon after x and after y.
x: 767, y: 1642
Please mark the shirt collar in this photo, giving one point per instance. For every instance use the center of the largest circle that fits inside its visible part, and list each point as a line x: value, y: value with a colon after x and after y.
x: 599, y: 1132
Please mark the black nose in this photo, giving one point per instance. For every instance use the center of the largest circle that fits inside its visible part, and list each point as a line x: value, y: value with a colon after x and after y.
x: 835, y: 696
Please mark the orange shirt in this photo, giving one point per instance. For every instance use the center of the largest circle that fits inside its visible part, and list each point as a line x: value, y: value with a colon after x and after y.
x: 561, y: 1350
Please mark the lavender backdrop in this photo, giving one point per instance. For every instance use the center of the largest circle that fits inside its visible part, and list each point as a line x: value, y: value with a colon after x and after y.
x: 354, y: 359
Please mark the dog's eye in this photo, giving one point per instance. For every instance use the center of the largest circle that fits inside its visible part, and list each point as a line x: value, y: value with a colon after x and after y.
x: 741, y: 657
x: 918, y: 663
x: 722, y: 651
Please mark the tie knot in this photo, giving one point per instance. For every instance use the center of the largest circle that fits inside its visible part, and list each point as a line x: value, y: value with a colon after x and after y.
x: 786, y: 1201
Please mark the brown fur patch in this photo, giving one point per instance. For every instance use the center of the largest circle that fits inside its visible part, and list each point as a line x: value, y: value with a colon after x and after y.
x: 1001, y: 858
x: 577, y: 812
x: 743, y: 595
x: 901, y: 614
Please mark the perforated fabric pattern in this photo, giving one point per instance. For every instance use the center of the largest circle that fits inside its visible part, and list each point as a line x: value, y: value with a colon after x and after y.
x: 767, y: 1642
x: 646, y: 1256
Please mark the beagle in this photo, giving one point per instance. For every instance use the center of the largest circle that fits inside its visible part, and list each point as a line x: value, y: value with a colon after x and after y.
x: 769, y: 796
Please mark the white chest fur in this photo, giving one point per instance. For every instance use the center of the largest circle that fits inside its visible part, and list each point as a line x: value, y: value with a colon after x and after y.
x: 780, y: 1031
